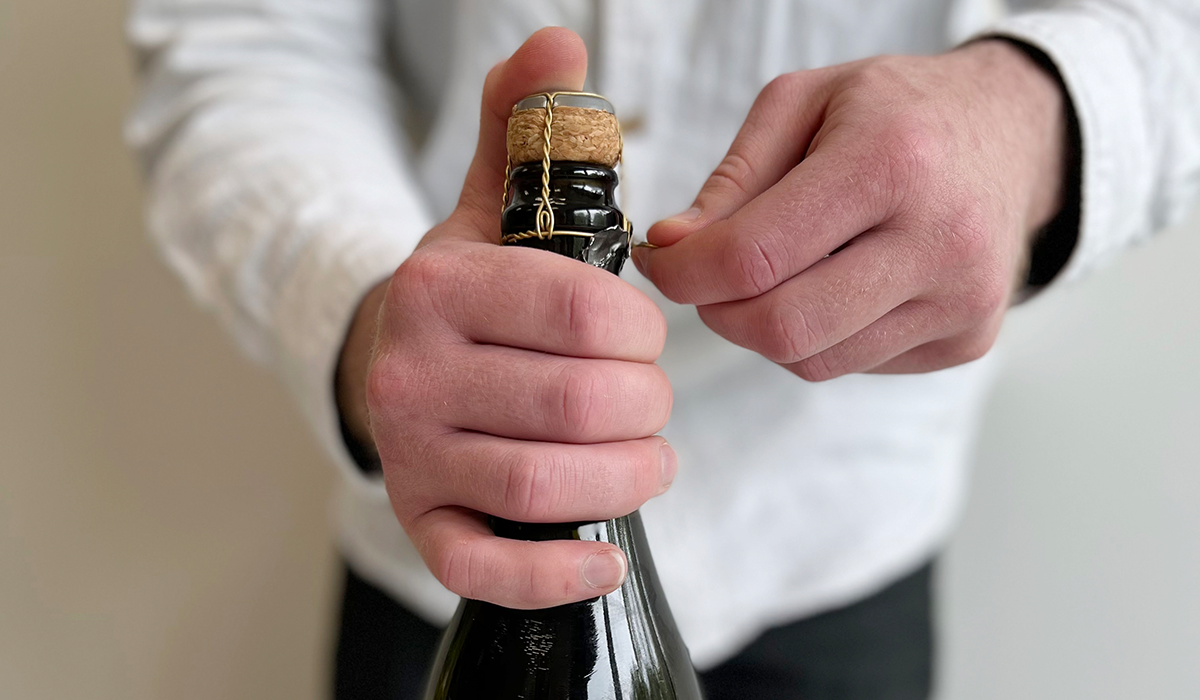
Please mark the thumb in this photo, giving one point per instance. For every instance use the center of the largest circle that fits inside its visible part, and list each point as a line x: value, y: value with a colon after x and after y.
x: 551, y: 59
x: 777, y: 132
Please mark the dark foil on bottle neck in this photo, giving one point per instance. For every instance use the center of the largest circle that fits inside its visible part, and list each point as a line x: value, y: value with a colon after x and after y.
x: 538, y: 532
x: 583, y: 198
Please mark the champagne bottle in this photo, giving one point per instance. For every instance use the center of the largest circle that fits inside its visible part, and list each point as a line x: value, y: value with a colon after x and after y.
x: 560, y: 197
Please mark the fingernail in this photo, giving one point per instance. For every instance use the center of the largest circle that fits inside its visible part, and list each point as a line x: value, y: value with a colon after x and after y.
x: 686, y: 217
x: 670, y: 464
x: 604, y: 570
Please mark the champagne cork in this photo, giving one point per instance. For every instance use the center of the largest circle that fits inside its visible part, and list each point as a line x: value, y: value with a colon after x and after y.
x: 583, y: 129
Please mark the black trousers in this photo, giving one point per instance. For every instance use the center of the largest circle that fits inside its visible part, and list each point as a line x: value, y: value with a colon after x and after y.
x: 880, y: 648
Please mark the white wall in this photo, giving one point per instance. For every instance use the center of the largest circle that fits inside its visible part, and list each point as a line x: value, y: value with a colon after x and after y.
x: 1076, y: 573
x: 162, y: 510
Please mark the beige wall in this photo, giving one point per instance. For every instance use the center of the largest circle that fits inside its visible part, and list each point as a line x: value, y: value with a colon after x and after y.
x: 1076, y: 571
x: 163, y: 513
x: 162, y: 510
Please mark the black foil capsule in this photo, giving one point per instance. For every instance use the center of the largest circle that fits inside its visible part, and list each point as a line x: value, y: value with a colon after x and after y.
x: 583, y: 197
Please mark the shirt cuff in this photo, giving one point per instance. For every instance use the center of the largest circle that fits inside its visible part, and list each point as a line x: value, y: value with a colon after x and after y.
x: 1099, y: 72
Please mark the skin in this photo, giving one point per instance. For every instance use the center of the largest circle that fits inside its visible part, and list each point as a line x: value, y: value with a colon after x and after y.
x: 507, y: 381
x: 511, y: 382
x: 922, y: 179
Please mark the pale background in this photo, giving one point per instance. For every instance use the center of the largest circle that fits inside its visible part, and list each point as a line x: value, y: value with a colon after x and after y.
x: 163, y: 522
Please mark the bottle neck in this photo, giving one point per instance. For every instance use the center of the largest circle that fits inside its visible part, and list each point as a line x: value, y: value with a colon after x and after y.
x: 582, y: 195
x: 582, y: 200
x: 541, y: 532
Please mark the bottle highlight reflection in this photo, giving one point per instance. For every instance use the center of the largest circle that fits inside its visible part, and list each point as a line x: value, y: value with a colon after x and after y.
x: 621, y: 646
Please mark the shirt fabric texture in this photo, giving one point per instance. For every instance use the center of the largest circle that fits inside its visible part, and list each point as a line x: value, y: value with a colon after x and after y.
x: 297, y: 150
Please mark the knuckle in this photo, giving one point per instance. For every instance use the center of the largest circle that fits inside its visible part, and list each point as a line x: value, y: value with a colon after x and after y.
x: 752, y: 270
x: 791, y: 334
x: 733, y: 174
x: 532, y: 490
x: 421, y: 270
x: 786, y: 87
x: 780, y: 87
x: 457, y: 565
x: 972, y: 352
x: 912, y: 147
x: 580, y: 313
x: 673, y: 285
x: 880, y: 72
x: 818, y: 368
x: 394, y: 389
x: 418, y: 280
x: 579, y: 404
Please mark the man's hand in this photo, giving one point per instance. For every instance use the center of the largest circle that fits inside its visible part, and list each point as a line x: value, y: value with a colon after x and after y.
x: 511, y: 382
x: 872, y: 216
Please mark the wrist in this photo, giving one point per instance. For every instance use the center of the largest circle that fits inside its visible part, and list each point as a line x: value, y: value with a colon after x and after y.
x: 350, y: 378
x: 1052, y: 237
x: 1031, y: 105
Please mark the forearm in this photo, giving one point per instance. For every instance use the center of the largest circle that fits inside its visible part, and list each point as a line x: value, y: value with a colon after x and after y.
x: 1030, y: 80
x: 1037, y: 121
x: 277, y: 188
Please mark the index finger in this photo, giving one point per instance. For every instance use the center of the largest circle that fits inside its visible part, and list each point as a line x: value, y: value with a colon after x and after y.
x: 829, y: 198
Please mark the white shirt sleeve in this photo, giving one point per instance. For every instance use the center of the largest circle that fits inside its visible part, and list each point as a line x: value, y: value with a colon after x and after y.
x: 1132, y: 69
x: 278, y: 188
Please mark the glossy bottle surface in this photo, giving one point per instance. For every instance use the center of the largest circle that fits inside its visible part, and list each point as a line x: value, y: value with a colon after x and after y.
x: 583, y: 198
x: 621, y: 646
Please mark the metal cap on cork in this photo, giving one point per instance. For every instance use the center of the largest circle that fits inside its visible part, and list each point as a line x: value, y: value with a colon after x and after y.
x: 583, y: 128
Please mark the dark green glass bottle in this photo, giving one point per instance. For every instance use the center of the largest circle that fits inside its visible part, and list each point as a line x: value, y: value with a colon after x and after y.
x: 621, y: 646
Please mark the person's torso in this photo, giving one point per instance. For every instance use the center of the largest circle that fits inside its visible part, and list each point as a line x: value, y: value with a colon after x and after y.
x: 791, y: 496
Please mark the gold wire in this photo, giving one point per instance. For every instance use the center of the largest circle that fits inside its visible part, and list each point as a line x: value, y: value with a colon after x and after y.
x: 507, y: 172
x: 626, y: 226
x: 544, y: 220
x: 545, y: 214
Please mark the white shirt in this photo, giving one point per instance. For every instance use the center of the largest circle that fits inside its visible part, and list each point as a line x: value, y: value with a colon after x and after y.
x: 294, y: 161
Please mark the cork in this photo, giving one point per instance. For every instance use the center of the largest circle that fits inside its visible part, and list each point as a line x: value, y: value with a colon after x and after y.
x: 577, y: 133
